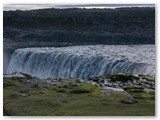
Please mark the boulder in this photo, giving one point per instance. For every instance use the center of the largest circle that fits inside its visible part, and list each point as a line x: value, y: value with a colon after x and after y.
x: 106, y: 82
x: 148, y: 90
x: 112, y: 90
x: 94, y: 83
x: 16, y: 75
x: 95, y: 79
x: 24, y: 95
x: 128, y: 101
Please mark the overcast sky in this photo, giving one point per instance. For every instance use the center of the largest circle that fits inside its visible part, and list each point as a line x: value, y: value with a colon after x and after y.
x: 7, y: 7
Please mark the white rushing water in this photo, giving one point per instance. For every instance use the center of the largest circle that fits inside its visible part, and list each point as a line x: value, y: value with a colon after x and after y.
x: 83, y: 61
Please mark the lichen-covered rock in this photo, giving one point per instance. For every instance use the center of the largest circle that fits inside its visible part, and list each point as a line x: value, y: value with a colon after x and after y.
x: 112, y: 90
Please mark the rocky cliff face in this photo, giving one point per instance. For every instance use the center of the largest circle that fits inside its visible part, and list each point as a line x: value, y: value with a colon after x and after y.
x: 65, y: 27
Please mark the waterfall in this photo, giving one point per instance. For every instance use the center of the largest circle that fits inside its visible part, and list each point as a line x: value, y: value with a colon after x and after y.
x: 80, y: 61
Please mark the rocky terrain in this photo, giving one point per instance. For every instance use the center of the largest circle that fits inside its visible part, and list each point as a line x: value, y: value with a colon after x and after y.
x: 121, y: 89
x: 138, y: 83
x: 111, y: 82
x: 53, y: 27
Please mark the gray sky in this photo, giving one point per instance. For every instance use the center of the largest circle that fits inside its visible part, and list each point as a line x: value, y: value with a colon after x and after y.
x: 7, y: 7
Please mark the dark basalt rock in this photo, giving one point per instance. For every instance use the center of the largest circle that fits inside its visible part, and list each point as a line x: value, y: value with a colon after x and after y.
x: 128, y: 101
x: 35, y: 86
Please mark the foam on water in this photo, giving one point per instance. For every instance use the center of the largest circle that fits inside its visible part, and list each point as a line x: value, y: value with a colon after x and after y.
x: 83, y: 61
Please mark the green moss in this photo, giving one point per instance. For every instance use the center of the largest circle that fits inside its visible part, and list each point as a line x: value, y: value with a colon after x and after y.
x: 51, y: 102
x: 61, y: 90
x: 80, y: 90
x: 14, y: 94
x: 88, y: 86
x: 28, y: 90
x: 146, y: 95
x: 94, y: 89
x: 12, y: 82
x: 8, y: 83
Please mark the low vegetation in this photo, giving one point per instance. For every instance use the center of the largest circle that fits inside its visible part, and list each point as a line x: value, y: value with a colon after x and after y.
x: 69, y: 99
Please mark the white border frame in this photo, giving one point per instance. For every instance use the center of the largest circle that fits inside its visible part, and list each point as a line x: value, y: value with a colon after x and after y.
x: 157, y: 2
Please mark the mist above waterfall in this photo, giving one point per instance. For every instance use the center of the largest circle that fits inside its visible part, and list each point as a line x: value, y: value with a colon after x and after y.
x: 83, y: 61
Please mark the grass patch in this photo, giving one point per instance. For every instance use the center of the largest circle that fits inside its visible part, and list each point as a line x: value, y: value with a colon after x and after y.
x: 80, y: 90
x: 8, y: 83
x: 147, y: 95
x: 14, y: 95
x: 62, y: 90
x: 12, y: 82
x: 94, y: 89
x: 85, y: 100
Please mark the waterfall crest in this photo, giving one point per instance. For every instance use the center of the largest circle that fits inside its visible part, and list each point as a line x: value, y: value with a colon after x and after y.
x: 82, y: 61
